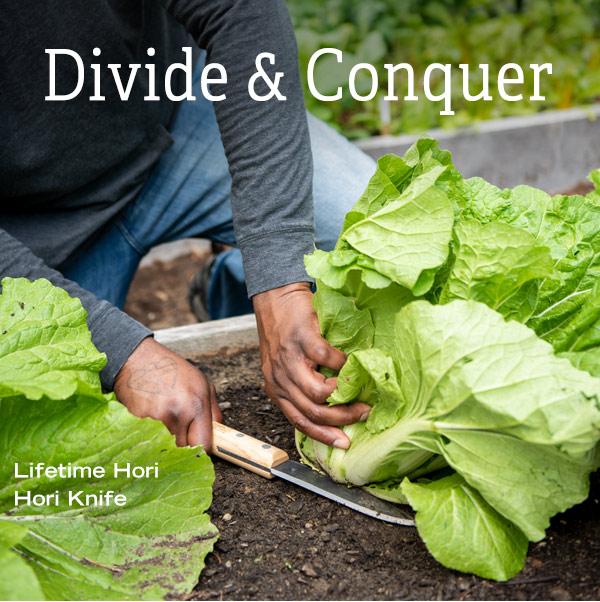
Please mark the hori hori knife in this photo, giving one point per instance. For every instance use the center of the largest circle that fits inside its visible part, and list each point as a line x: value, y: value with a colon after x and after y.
x: 269, y: 461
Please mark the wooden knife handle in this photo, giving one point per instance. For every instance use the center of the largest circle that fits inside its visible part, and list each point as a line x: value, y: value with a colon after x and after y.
x: 246, y: 451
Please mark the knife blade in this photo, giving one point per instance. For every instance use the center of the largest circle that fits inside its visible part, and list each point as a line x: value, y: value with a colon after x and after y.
x: 269, y: 461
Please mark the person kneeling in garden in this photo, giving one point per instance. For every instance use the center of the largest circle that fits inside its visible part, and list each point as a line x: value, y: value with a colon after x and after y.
x: 90, y: 184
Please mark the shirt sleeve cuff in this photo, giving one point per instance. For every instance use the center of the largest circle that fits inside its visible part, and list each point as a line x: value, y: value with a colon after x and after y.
x: 274, y: 259
x: 118, y: 335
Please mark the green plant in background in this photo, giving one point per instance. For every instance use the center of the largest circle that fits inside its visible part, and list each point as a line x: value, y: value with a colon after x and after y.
x: 471, y: 319
x: 52, y: 411
x: 565, y: 33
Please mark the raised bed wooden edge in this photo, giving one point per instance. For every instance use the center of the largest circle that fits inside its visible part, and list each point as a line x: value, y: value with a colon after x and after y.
x: 230, y: 335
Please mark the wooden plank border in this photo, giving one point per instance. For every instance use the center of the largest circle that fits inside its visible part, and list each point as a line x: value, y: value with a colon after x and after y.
x: 209, y: 338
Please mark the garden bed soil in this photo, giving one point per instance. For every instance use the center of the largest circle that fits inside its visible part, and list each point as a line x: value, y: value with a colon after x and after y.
x: 158, y: 296
x: 281, y: 542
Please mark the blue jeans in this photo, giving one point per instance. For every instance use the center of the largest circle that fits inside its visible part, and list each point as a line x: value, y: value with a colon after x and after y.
x: 187, y: 196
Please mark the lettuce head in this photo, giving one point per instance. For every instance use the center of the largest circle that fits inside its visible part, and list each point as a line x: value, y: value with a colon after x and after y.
x: 471, y: 319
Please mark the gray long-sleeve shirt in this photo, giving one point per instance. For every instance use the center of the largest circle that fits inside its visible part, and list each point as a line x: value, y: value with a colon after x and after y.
x: 68, y: 168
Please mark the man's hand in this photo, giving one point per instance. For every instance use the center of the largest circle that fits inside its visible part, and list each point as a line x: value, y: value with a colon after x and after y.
x: 155, y: 382
x: 292, y: 349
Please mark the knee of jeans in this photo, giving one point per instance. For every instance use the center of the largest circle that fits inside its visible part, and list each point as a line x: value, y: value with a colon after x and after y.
x: 327, y: 243
x: 341, y: 173
x: 326, y: 142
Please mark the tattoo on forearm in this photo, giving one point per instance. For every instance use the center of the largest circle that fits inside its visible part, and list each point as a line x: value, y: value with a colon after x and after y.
x: 158, y: 378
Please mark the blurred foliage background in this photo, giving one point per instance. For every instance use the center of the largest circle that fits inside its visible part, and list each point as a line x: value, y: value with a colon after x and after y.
x: 565, y: 33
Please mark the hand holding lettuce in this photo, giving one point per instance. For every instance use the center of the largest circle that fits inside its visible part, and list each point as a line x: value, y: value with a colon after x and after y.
x: 467, y: 311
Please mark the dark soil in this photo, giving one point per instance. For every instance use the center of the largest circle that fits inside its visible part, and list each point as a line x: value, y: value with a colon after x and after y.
x: 582, y: 188
x: 158, y: 296
x: 280, y: 542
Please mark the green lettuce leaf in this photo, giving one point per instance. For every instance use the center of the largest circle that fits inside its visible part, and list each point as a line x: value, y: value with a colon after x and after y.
x: 422, y: 219
x: 460, y: 366
x: 463, y: 531
x: 570, y: 227
x: 594, y: 178
x: 358, y: 316
x: 584, y: 360
x: 391, y: 177
x: 383, y: 245
x: 45, y: 345
x: 526, y: 482
x: 579, y: 330
x: 399, y: 230
x: 52, y: 411
x: 564, y: 306
x: 152, y: 546
x: 334, y: 268
x: 395, y: 174
x: 471, y: 316
x: 498, y: 265
x: 486, y: 396
x: 17, y: 579
x: 382, y: 305
x: 344, y: 325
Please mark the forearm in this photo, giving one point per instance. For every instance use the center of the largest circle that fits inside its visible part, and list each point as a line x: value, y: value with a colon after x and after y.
x: 266, y: 143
